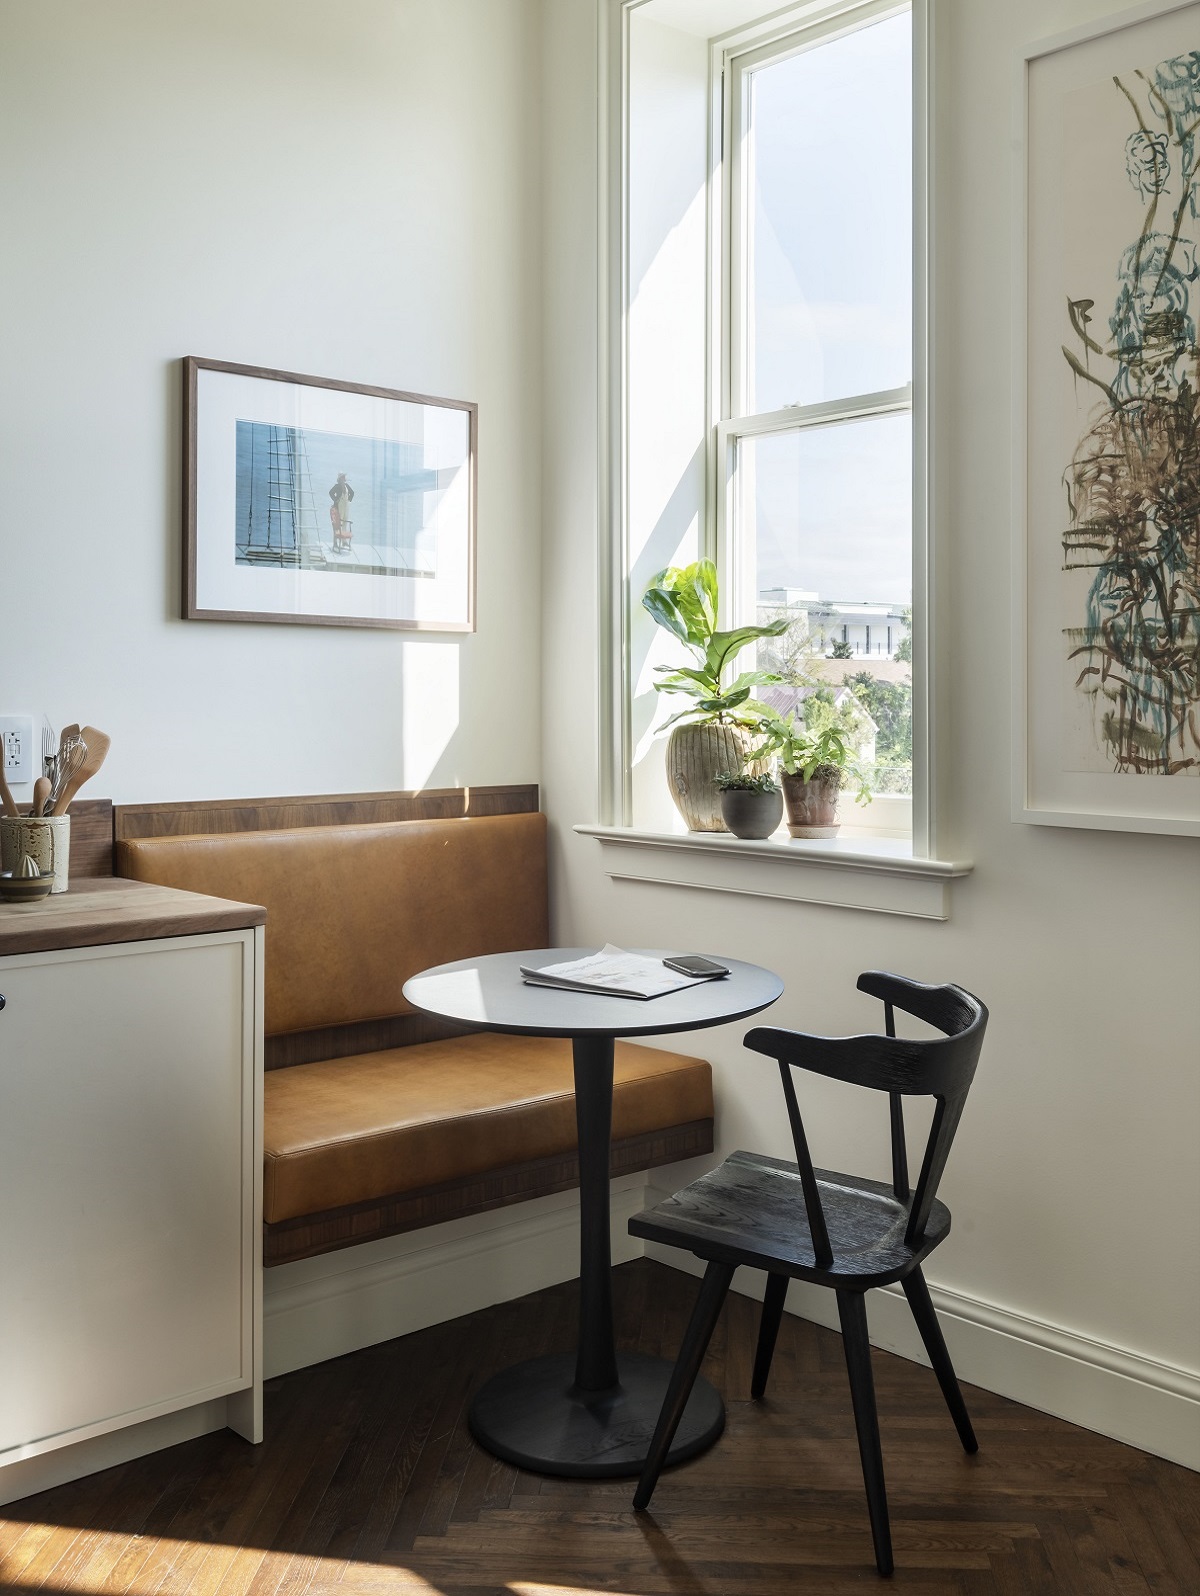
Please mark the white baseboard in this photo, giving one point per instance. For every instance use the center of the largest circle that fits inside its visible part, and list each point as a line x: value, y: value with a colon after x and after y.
x: 1151, y: 1405
x: 98, y: 1452
x: 324, y: 1307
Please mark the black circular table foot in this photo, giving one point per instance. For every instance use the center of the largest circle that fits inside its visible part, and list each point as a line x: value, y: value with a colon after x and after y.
x: 533, y: 1416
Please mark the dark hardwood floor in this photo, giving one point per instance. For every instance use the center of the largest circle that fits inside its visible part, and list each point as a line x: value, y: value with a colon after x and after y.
x: 369, y: 1482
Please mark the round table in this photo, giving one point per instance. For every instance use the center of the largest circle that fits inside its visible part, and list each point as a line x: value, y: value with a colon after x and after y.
x: 591, y: 1415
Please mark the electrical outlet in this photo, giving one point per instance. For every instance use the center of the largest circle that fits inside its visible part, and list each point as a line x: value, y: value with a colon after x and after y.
x: 16, y: 739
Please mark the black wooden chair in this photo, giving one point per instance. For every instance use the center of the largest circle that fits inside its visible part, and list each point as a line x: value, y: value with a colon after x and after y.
x: 836, y: 1230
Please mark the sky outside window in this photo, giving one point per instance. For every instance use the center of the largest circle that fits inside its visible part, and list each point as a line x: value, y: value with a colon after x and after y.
x: 831, y: 509
x: 830, y: 291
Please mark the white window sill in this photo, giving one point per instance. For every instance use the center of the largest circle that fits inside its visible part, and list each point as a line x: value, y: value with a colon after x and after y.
x: 879, y: 874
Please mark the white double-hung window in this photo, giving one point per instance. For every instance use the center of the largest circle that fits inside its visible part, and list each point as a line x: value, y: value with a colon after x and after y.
x: 766, y: 374
x: 815, y: 448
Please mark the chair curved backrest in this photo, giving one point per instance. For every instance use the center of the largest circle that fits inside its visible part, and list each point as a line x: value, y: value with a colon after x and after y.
x: 941, y: 1067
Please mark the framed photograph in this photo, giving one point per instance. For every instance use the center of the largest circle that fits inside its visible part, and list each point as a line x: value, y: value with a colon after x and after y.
x: 324, y: 503
x: 1107, y: 611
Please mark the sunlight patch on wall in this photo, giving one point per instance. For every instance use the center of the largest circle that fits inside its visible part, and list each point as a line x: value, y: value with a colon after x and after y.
x: 431, y: 706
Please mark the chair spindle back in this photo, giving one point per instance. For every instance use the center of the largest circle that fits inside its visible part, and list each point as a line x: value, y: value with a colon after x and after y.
x: 942, y: 1068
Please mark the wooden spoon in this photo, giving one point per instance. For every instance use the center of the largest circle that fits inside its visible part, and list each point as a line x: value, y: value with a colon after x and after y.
x: 97, y: 744
x: 41, y: 791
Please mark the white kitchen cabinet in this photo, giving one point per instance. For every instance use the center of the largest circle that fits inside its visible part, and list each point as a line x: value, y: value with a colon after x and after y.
x: 130, y: 1181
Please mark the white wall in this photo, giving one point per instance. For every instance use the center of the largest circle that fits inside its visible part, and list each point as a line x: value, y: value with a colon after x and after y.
x: 1075, y: 1182
x: 349, y: 191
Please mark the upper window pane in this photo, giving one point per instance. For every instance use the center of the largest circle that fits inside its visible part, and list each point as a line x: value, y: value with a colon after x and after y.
x: 828, y: 310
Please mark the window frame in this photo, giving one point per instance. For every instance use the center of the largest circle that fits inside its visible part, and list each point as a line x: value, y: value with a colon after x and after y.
x: 737, y: 52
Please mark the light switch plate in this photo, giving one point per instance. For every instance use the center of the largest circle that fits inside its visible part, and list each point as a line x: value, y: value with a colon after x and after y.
x: 16, y: 740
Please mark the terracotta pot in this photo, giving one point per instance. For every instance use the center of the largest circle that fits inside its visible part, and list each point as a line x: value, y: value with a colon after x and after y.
x: 751, y: 815
x: 695, y: 755
x: 812, y: 806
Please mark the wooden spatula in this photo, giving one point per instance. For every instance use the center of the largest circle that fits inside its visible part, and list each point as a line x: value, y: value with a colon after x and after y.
x: 97, y: 744
x: 41, y: 791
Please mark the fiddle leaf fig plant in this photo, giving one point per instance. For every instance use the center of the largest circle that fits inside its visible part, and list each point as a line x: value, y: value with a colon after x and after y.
x: 683, y: 599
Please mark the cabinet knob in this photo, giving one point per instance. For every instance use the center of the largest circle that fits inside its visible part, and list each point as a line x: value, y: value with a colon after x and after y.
x: 3, y: 1000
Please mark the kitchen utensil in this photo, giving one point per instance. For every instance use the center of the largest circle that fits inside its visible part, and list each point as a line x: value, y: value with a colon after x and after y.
x: 41, y: 791
x: 72, y: 751
x: 95, y: 745
x: 49, y: 748
x: 6, y: 797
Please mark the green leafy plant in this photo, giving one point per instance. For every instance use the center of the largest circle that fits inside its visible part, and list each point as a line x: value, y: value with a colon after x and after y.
x: 742, y: 781
x: 683, y: 599
x: 822, y: 754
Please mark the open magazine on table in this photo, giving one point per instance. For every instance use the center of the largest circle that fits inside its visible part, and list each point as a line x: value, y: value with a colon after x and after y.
x: 614, y: 971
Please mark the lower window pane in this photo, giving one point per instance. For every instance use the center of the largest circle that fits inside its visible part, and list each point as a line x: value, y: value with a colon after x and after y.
x: 824, y: 520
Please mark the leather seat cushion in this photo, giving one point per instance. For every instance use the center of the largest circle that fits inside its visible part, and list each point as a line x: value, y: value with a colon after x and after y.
x: 353, y: 1130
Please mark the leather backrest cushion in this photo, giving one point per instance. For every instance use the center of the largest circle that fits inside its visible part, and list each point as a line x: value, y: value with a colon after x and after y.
x: 353, y: 911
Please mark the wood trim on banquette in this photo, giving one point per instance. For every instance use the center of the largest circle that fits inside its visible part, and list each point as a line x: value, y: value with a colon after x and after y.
x: 91, y: 839
x: 224, y: 815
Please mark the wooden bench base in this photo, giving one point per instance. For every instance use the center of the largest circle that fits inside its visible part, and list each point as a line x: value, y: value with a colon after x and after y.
x: 306, y: 1237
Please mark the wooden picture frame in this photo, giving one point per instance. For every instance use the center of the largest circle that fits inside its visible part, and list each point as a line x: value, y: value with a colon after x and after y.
x: 387, y: 541
x: 1106, y: 707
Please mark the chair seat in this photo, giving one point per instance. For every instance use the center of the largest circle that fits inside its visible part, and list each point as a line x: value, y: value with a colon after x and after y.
x: 751, y: 1211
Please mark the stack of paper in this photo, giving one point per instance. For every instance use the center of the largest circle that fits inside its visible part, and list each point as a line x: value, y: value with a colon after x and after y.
x: 614, y: 971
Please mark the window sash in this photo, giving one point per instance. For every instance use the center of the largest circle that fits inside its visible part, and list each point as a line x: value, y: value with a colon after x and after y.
x: 736, y: 552
x: 794, y: 38
x: 736, y: 556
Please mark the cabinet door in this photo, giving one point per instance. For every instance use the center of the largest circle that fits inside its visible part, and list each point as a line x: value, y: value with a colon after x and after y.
x: 125, y: 1189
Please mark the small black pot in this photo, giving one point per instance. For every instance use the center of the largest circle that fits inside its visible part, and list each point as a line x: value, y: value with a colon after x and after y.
x: 751, y: 815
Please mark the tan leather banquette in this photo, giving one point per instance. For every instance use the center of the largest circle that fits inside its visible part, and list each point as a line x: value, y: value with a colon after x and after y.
x: 378, y: 1119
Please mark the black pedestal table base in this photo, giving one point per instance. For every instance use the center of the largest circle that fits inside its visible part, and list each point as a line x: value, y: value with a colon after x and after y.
x: 534, y: 1415
x: 591, y: 1414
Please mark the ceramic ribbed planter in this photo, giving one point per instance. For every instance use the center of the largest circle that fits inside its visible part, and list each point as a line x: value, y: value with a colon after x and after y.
x: 812, y: 806
x: 696, y: 754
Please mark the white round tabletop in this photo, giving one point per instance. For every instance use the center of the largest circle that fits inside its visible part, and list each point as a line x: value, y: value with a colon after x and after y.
x: 489, y: 993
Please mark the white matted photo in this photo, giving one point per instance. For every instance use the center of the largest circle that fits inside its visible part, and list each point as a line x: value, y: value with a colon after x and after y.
x: 1108, y: 541
x: 318, y: 502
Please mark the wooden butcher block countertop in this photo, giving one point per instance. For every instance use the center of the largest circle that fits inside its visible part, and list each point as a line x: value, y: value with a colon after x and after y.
x: 109, y: 909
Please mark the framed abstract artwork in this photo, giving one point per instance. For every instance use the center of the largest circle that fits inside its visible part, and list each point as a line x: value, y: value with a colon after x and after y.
x: 324, y: 503
x: 1107, y: 434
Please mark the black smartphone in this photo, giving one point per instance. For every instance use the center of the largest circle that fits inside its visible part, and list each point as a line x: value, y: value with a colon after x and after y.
x: 693, y: 964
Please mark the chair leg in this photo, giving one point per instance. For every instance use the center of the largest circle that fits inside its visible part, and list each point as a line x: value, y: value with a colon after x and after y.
x: 919, y: 1301
x: 852, y: 1310
x: 768, y: 1329
x: 683, y: 1377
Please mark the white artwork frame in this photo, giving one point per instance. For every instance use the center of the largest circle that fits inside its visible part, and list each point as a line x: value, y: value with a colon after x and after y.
x: 1051, y: 785
x: 312, y: 501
